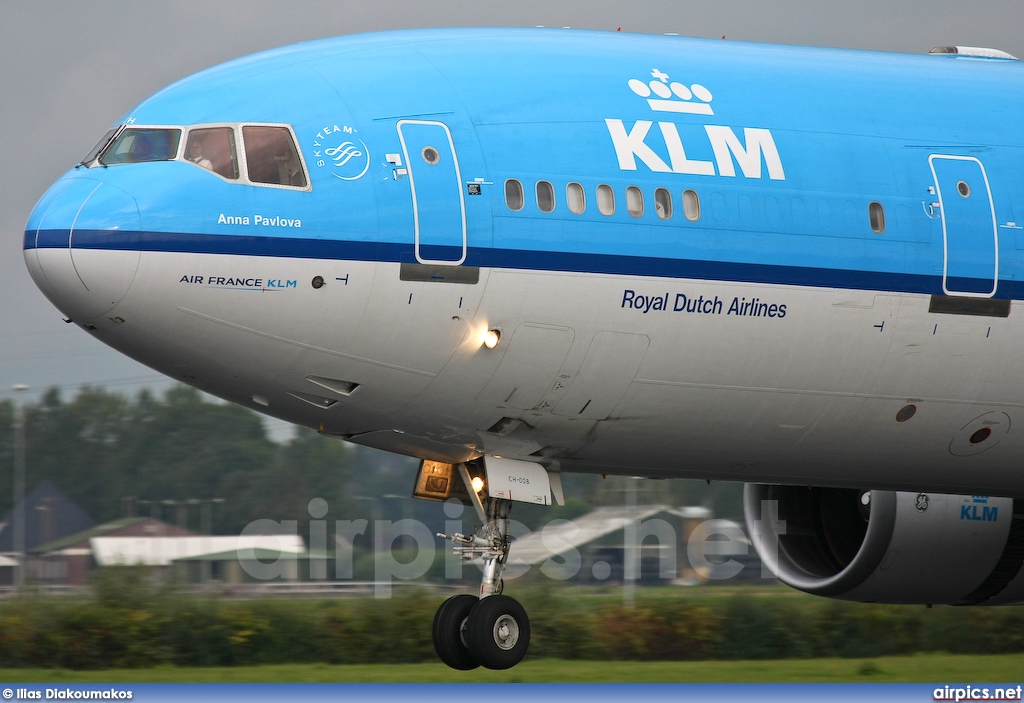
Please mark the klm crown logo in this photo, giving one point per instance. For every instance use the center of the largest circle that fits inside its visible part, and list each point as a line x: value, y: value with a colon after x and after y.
x: 664, y: 96
x: 753, y: 151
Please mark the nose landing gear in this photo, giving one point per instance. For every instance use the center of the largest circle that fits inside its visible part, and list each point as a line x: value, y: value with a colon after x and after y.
x: 492, y: 631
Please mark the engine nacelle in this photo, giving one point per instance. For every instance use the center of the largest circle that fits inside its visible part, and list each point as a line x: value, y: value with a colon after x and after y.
x: 890, y: 547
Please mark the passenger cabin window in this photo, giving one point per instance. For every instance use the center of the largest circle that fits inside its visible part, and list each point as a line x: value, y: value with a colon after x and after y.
x: 271, y: 158
x: 876, y: 215
x: 545, y: 196
x: 514, y: 194
x: 134, y: 146
x: 605, y: 199
x: 575, y: 198
x: 663, y: 203
x: 634, y: 201
x: 213, y: 149
x: 691, y: 205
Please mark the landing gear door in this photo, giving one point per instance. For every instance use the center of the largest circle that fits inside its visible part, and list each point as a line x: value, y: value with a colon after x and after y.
x: 970, y: 234
x: 435, y: 181
x: 522, y: 481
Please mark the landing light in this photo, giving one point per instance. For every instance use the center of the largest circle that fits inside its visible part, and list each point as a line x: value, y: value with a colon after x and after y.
x: 478, y: 484
x: 492, y: 338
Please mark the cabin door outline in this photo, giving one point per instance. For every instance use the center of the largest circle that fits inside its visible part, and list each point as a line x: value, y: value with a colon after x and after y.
x: 970, y: 233
x: 435, y: 183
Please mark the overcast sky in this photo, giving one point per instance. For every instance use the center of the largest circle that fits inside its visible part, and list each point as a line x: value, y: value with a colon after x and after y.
x: 69, y: 69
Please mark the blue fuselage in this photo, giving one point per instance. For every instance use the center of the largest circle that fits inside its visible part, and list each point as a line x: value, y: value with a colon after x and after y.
x: 704, y: 181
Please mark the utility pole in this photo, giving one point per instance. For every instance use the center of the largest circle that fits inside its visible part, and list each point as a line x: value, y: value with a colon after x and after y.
x: 631, y: 548
x: 206, y: 528
x: 18, y: 529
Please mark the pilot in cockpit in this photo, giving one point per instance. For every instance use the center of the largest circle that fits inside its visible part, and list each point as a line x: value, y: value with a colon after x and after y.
x: 196, y: 156
x: 141, y: 149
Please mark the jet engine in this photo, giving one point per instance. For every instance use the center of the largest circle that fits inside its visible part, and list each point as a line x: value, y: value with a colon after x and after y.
x: 890, y: 547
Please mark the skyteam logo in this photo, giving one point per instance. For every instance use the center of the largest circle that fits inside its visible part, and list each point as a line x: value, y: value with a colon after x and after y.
x: 754, y: 153
x: 339, y: 148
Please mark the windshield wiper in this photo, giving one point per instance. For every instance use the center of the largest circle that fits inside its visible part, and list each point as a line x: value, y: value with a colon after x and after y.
x: 101, y: 148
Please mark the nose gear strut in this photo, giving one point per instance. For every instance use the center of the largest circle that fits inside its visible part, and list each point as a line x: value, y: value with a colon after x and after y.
x: 490, y: 544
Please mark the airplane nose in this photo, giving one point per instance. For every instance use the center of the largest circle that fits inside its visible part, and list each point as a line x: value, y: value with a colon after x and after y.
x: 78, y: 245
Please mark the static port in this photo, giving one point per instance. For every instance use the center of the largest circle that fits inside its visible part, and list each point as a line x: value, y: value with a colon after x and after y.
x: 980, y: 436
x: 905, y: 413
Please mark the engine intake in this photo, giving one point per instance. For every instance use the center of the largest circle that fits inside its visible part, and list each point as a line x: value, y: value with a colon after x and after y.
x: 890, y: 547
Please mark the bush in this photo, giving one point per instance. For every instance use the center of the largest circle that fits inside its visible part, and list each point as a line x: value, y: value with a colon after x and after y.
x: 132, y: 622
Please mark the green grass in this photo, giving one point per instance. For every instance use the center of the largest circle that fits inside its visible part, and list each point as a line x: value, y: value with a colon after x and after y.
x: 920, y: 668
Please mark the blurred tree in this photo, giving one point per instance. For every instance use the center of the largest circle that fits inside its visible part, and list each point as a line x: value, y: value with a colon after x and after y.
x: 310, y: 466
x: 189, y: 448
x: 102, y: 448
x: 78, y: 445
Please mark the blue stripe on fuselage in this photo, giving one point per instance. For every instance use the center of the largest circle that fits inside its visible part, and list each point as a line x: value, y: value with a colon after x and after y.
x: 335, y: 250
x: 183, y: 243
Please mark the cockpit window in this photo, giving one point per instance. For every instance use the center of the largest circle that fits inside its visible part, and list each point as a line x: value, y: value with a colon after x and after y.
x: 270, y: 156
x: 213, y: 149
x: 138, y: 145
x: 91, y: 156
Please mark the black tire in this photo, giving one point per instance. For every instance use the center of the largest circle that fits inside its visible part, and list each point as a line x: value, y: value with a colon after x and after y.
x: 448, y: 625
x: 498, y: 632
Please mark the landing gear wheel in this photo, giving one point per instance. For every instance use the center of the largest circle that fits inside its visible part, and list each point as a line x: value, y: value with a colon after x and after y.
x: 449, y: 622
x: 498, y: 632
